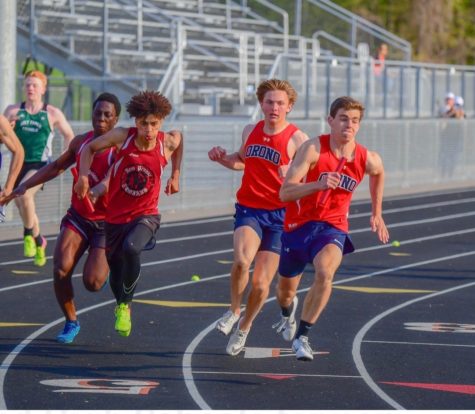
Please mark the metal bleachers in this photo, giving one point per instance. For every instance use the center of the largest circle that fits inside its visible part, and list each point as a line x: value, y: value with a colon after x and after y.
x: 209, y: 56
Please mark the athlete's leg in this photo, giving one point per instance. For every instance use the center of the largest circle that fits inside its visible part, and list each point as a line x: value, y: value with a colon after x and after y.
x: 132, y: 247
x: 246, y: 244
x: 69, y: 249
x: 286, y: 290
x: 265, y: 267
x: 96, y: 269
x: 326, y: 264
x: 26, y: 206
x: 116, y: 264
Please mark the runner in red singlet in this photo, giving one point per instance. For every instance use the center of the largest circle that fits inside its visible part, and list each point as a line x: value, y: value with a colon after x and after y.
x: 80, y: 229
x: 318, y: 233
x: 134, y: 187
x: 266, y: 150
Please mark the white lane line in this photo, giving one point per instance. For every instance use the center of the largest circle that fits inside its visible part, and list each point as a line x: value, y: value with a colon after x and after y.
x: 424, y: 221
x: 146, y: 264
x: 277, y: 373
x: 361, y: 250
x: 164, y: 225
x: 356, y: 351
x: 187, y: 364
x: 387, y: 211
x: 419, y: 343
x: 225, y: 218
x: 362, y: 230
x: 188, y: 371
x: 403, y: 267
x: 8, y: 361
x: 201, y: 236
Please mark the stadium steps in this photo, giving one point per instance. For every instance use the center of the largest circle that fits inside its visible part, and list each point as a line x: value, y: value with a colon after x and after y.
x: 211, y: 58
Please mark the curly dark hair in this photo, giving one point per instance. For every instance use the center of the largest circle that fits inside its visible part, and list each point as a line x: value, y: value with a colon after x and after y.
x: 149, y: 103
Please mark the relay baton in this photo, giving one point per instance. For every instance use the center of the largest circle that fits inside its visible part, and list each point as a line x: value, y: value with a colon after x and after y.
x: 86, y: 200
x: 326, y: 193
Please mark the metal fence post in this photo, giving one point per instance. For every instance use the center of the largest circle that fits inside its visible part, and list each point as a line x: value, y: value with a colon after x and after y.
x: 105, y: 40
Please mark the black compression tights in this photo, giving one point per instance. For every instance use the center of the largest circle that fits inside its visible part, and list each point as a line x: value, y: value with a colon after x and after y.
x: 125, y: 263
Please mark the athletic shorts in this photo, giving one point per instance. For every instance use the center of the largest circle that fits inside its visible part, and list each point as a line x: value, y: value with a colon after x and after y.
x: 91, y: 231
x: 300, y: 246
x: 268, y: 224
x: 117, y: 233
x: 28, y: 166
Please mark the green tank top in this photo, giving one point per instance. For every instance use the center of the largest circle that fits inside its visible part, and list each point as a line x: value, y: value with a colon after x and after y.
x: 35, y: 134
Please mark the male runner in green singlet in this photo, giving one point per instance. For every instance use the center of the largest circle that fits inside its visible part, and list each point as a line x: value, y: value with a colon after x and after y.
x: 34, y: 122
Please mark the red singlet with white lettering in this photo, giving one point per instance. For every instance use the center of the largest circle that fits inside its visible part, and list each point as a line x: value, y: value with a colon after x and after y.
x: 134, y: 187
x: 263, y: 156
x: 336, y: 209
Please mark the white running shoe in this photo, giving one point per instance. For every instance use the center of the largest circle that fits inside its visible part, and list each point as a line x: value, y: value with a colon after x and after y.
x: 302, y: 349
x: 236, y: 342
x: 287, y: 324
x: 226, y: 323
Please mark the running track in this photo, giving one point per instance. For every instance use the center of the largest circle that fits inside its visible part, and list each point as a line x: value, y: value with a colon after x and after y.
x: 399, y: 332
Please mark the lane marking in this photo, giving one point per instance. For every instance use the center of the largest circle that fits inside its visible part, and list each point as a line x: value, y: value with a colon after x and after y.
x: 256, y: 352
x: 400, y: 254
x: 25, y: 272
x: 360, y: 250
x: 458, y: 388
x: 440, y: 327
x: 8, y: 361
x: 102, y: 386
x: 179, y: 304
x: 419, y: 343
x: 356, y: 215
x: 187, y: 363
x: 277, y: 377
x: 416, y: 207
x: 164, y: 225
x: 19, y: 348
x: 424, y: 221
x: 269, y: 373
x: 17, y: 324
x: 196, y: 237
x: 363, y: 289
x: 356, y: 351
x: 361, y: 230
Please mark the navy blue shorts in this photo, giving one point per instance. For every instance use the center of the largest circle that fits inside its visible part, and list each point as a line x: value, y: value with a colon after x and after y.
x: 91, y: 231
x: 268, y: 224
x: 300, y: 246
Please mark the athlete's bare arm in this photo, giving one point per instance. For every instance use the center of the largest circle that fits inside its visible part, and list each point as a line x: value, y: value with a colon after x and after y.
x: 306, y: 158
x: 101, y: 187
x: 174, y: 150
x: 293, y: 145
x: 114, y: 137
x: 58, y: 120
x: 11, y: 112
x: 234, y: 161
x: 375, y: 170
x: 8, y: 137
x: 51, y: 170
